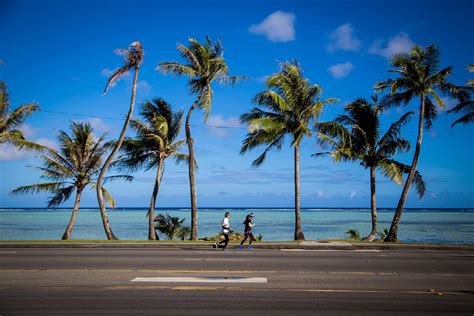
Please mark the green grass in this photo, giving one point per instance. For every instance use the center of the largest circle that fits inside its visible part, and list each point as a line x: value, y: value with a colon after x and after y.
x: 100, y: 241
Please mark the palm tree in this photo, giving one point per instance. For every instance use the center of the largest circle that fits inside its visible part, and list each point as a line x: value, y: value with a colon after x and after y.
x: 419, y: 76
x: 172, y: 227
x: 10, y: 121
x: 156, y: 141
x: 204, y: 65
x: 72, y: 169
x: 362, y: 140
x: 133, y: 57
x: 465, y: 106
x: 291, y: 104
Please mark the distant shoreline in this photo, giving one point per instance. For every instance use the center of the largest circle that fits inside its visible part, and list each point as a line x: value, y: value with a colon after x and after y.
x: 244, y: 208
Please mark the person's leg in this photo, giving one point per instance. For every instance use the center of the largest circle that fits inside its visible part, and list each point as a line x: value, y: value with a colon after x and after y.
x: 243, y: 240
x: 251, y: 238
x: 226, y: 240
x: 219, y: 244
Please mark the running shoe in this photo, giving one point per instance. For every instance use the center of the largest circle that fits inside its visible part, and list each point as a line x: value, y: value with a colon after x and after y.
x: 241, y: 247
x: 250, y: 248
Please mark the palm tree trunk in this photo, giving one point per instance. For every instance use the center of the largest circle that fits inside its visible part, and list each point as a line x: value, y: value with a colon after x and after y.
x: 392, y: 234
x: 103, y: 211
x: 298, y: 232
x: 72, y: 221
x: 192, y: 167
x: 373, y: 205
x: 151, y: 211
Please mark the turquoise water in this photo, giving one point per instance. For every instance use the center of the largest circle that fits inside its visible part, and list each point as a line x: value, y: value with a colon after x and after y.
x: 418, y: 225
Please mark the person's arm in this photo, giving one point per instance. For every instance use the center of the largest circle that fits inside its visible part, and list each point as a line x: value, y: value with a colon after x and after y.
x: 225, y: 223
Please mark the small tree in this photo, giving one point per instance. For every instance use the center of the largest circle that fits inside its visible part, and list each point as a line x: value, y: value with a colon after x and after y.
x: 172, y: 227
x: 11, y: 121
x: 155, y: 142
x: 71, y: 169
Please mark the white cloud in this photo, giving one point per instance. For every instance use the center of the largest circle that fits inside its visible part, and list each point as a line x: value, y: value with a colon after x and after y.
x: 47, y: 142
x: 97, y: 124
x: 9, y: 152
x: 400, y: 43
x: 28, y: 130
x: 343, y: 38
x: 143, y: 86
x: 353, y: 194
x: 277, y: 27
x: 341, y: 70
x: 433, y: 134
x: 219, y: 120
x: 321, y: 194
x: 106, y: 72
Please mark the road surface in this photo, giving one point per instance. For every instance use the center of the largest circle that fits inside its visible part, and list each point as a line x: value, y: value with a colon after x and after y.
x: 235, y: 282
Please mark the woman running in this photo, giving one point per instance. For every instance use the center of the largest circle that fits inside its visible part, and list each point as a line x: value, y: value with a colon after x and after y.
x: 248, y: 232
x: 225, y: 225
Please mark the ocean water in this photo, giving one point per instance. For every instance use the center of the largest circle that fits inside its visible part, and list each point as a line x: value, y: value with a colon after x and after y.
x: 417, y: 225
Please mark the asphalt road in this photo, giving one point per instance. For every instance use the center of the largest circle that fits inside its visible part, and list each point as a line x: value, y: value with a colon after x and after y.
x: 103, y: 281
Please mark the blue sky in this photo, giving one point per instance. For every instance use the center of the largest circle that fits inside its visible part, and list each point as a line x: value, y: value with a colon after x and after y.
x: 59, y: 54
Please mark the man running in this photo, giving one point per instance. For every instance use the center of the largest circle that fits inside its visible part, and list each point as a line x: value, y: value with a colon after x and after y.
x: 225, y: 225
x: 248, y: 232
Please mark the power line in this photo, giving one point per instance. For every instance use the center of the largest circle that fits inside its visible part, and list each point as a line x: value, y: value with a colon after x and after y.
x: 121, y: 119
x: 215, y: 126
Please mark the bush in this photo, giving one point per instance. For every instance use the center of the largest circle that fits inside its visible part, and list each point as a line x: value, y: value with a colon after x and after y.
x: 172, y: 227
x: 353, y: 234
x: 382, y: 234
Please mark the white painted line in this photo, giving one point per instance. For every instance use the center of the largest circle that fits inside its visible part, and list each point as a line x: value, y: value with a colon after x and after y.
x: 215, y: 259
x: 292, y: 250
x: 201, y: 280
x: 333, y: 250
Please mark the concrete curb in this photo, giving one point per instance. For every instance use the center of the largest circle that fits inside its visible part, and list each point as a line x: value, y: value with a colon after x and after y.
x: 310, y: 245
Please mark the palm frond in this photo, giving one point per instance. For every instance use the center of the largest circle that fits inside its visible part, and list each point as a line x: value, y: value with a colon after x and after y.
x: 115, y: 76
x: 61, y: 195
x: 20, y: 114
x: 40, y: 187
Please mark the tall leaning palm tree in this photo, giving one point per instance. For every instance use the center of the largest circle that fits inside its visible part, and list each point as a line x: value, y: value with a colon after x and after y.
x: 287, y: 108
x: 356, y: 136
x: 11, y: 121
x: 204, y: 65
x: 71, y: 169
x: 155, y: 142
x: 419, y: 76
x: 133, y: 57
x: 465, y: 106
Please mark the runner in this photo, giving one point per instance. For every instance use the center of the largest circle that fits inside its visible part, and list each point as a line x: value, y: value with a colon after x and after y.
x: 248, y: 232
x: 225, y: 225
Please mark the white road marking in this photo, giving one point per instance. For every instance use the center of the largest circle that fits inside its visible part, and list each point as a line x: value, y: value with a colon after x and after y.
x: 334, y: 250
x: 7, y: 252
x: 201, y: 280
x: 215, y: 259
x: 292, y: 250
